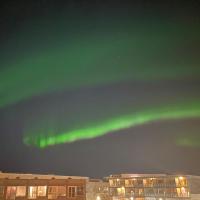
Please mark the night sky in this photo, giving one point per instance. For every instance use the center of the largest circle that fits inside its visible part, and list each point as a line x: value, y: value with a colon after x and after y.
x: 94, y: 88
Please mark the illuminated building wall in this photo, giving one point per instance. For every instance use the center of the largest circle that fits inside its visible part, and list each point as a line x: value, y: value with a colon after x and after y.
x: 43, y: 187
x: 154, y: 187
x: 114, y: 187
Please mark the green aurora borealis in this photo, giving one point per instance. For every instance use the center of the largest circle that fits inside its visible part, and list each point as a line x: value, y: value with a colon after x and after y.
x: 97, y: 87
x: 93, y: 59
x: 115, y: 124
x: 125, y: 53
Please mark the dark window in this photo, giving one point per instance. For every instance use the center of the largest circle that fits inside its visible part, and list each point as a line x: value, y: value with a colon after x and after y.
x: 80, y: 190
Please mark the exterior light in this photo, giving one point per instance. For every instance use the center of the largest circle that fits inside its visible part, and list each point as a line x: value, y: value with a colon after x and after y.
x: 98, y: 198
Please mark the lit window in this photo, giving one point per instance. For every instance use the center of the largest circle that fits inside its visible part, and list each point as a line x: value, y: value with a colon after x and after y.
x: 21, y: 191
x: 179, y: 192
x: 42, y: 191
x: 111, y: 182
x: 183, y: 192
x: 11, y: 192
x: 56, y: 191
x: 129, y: 182
x: 148, y: 182
x: 145, y: 182
x: 52, y: 192
x: 61, y: 191
x: 119, y: 191
x: 32, y: 192
x: 129, y: 191
x: 1, y: 191
x: 72, y: 191
x: 116, y: 182
x: 139, y: 191
x: 181, y: 181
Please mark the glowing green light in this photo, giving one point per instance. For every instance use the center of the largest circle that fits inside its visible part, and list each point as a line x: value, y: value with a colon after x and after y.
x: 188, y: 141
x: 115, y: 124
x: 93, y: 59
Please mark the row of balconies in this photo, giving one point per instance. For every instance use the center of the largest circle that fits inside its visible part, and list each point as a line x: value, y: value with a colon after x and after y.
x: 178, y: 182
x: 153, y: 195
x: 177, y: 192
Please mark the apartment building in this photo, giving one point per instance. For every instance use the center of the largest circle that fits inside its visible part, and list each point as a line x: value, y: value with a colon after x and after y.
x: 43, y: 187
x: 114, y: 187
x: 154, y: 187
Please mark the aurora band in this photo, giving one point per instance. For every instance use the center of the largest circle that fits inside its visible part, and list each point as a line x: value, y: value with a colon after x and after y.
x: 172, y: 112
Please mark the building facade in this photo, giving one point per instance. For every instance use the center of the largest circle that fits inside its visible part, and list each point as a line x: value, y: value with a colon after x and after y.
x: 43, y: 187
x: 114, y: 187
x: 154, y: 187
x: 97, y: 189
